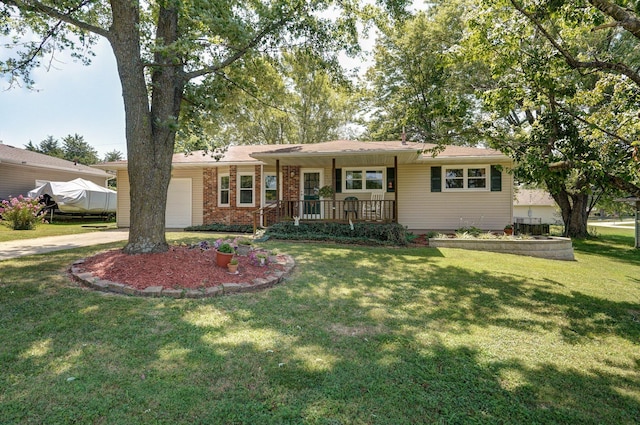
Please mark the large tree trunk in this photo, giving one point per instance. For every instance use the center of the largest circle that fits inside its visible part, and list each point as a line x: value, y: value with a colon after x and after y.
x: 150, y: 129
x: 574, y: 209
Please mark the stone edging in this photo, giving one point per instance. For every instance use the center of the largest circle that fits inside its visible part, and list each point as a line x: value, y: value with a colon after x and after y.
x: 273, y: 278
x: 553, y: 248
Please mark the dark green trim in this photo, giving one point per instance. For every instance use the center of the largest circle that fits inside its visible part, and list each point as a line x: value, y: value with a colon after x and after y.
x: 338, y: 180
x: 436, y: 179
x: 391, y: 179
x: 496, y: 179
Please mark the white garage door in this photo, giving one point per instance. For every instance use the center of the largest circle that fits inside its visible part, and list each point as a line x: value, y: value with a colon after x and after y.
x: 178, y: 214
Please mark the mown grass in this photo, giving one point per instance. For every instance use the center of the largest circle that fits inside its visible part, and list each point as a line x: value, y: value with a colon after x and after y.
x: 356, y: 335
x: 57, y: 228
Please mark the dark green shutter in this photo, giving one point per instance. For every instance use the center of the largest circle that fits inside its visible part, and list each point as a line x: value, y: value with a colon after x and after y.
x: 496, y: 179
x: 436, y: 179
x: 391, y: 179
x: 338, y: 180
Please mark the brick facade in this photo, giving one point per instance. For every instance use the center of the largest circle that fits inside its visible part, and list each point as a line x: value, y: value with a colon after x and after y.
x: 232, y: 214
x: 291, y: 182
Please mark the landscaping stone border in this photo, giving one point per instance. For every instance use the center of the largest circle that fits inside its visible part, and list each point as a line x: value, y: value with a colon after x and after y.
x: 554, y: 248
x: 273, y: 278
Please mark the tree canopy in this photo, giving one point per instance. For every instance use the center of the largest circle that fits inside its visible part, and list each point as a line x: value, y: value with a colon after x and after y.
x: 419, y: 81
x: 73, y: 148
x: 170, y: 53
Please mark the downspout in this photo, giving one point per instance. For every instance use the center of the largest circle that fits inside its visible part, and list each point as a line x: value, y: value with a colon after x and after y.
x: 262, y: 194
x: 278, y: 195
x: 397, y: 192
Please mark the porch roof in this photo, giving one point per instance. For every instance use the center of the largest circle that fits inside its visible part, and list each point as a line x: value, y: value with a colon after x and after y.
x: 346, y: 152
x: 356, y: 153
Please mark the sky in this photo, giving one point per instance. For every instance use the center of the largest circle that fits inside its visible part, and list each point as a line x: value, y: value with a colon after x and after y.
x: 67, y: 99
x: 70, y: 98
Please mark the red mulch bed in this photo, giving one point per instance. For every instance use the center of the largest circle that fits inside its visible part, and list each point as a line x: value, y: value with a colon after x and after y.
x: 421, y: 240
x: 178, y: 268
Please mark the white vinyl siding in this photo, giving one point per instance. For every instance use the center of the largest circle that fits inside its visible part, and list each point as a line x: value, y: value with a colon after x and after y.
x: 123, y: 214
x: 19, y: 180
x: 421, y: 209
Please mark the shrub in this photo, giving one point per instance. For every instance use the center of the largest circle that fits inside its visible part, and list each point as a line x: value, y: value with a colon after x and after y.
x: 385, y: 234
x: 470, y: 230
x: 22, y: 213
x: 220, y: 227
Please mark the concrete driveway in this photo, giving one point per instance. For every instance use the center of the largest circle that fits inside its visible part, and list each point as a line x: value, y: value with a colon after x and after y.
x: 20, y: 248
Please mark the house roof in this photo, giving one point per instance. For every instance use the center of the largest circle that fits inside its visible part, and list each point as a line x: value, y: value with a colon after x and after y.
x: 318, y: 154
x: 533, y: 197
x: 22, y: 157
x: 234, y: 155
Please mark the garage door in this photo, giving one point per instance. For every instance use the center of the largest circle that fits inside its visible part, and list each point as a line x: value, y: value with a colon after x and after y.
x: 178, y: 214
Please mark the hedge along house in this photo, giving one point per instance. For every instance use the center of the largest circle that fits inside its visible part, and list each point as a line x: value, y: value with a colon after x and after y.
x: 370, y: 181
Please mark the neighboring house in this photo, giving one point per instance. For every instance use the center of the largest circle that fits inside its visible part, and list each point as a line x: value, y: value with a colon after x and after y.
x: 535, y: 206
x: 373, y: 181
x: 22, y: 170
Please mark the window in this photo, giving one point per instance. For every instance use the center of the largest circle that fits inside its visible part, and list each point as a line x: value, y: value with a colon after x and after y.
x: 361, y: 180
x: 353, y: 180
x: 477, y: 178
x: 465, y: 178
x: 223, y: 189
x: 245, y: 189
x: 270, y: 192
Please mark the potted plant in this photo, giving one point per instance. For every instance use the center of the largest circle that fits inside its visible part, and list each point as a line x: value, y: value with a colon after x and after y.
x: 233, y: 265
x: 224, y: 253
x: 244, y: 246
x: 326, y: 191
x: 508, y: 229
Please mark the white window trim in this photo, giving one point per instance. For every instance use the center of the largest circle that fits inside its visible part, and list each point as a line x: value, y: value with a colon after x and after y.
x: 253, y: 189
x: 264, y: 187
x: 364, y: 179
x: 465, y: 178
x: 220, y: 176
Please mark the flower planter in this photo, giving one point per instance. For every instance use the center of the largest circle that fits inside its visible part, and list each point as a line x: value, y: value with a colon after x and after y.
x: 233, y: 268
x: 545, y: 247
x: 244, y: 250
x: 223, y: 258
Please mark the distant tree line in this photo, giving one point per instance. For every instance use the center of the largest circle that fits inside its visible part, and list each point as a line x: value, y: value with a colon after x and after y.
x: 73, y: 148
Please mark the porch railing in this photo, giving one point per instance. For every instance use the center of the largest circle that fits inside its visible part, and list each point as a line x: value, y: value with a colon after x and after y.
x: 325, y: 210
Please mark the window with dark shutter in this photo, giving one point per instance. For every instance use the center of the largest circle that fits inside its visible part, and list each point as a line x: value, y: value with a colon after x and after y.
x: 496, y: 179
x: 338, y: 180
x: 436, y: 179
x: 391, y: 179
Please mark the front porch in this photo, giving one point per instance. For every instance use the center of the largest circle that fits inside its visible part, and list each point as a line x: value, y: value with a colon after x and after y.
x: 344, y: 210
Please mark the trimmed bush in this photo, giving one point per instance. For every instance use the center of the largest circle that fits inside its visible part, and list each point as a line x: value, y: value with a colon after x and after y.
x: 362, y: 233
x: 219, y: 227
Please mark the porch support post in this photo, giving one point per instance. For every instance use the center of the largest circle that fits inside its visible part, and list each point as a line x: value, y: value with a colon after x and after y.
x: 277, y: 191
x: 395, y: 204
x: 333, y: 180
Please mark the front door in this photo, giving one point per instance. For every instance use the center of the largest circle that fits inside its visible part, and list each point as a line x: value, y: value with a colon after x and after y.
x: 310, y: 188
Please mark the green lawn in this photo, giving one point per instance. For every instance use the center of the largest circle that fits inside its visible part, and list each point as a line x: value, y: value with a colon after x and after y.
x: 54, y: 229
x: 357, y: 335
